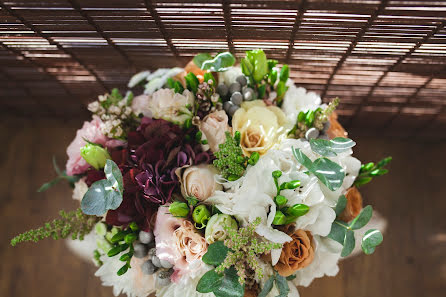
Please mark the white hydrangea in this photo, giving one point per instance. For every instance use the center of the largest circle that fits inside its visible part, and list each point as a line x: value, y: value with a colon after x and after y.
x: 297, y: 100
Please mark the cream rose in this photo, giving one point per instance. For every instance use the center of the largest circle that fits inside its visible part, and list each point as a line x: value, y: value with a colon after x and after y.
x: 170, y: 106
x: 213, y: 127
x: 261, y: 126
x: 198, y: 181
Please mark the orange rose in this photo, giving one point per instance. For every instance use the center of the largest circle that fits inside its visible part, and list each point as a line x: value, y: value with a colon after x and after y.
x: 297, y: 254
x: 335, y: 129
x: 354, y: 205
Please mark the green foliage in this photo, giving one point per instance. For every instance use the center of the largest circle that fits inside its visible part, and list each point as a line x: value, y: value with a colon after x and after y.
x: 313, y: 118
x: 331, y: 148
x: 372, y: 238
x: 370, y: 170
x: 244, y: 248
x: 216, y: 253
x: 192, y: 82
x: 122, y: 241
x: 328, y: 172
x: 220, y: 63
x: 343, y: 232
x: 104, y: 194
x: 74, y: 222
x: 229, y: 159
x: 284, y: 214
x: 61, y: 175
x: 281, y: 284
x: 201, y: 58
x: 210, y: 282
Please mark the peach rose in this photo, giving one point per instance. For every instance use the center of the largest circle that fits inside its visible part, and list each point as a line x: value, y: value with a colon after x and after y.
x: 354, y: 205
x: 214, y: 126
x: 297, y: 254
x: 190, y: 245
x: 198, y: 181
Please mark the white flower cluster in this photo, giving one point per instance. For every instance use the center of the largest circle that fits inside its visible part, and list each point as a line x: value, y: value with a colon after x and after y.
x: 112, y: 116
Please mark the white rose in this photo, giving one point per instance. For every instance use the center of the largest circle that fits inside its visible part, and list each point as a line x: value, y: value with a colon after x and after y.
x: 214, y: 126
x: 297, y: 100
x: 198, y: 181
x: 170, y: 106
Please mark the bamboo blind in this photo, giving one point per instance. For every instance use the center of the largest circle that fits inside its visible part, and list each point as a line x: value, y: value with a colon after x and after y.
x: 386, y: 60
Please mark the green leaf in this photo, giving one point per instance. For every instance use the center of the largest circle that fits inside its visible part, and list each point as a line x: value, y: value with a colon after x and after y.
x: 261, y: 91
x: 349, y: 243
x: 260, y: 63
x: 208, y: 76
x: 302, y: 158
x: 113, y: 174
x: 290, y: 277
x: 230, y: 286
x: 100, y: 197
x: 267, y: 287
x: 201, y: 58
x: 56, y: 167
x: 282, y: 285
x: 216, y: 253
x: 192, y: 82
x: 178, y: 87
x: 372, y: 238
x: 363, y: 218
x: 337, y: 232
x: 220, y: 63
x: 340, y: 206
x: 281, y: 89
x: 329, y: 173
x: 247, y: 67
x: 330, y: 148
x: 384, y: 162
x: 49, y: 184
x: 209, y: 282
x: 271, y: 64
x: 362, y: 181
x: 284, y: 73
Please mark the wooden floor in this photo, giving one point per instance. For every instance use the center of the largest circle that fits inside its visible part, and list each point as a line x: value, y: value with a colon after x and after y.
x: 410, y: 263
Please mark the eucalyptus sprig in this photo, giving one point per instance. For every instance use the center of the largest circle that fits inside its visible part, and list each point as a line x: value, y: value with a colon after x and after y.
x: 61, y: 175
x: 281, y: 284
x: 343, y: 232
x: 284, y: 214
x: 370, y: 170
x: 230, y: 159
x: 74, y: 223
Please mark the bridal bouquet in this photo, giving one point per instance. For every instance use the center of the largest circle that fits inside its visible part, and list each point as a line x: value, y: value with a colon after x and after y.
x: 217, y: 180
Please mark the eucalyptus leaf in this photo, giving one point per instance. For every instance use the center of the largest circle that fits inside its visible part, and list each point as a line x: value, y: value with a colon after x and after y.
x: 216, y: 253
x: 113, y: 174
x: 349, y: 243
x: 330, y: 148
x: 282, y: 285
x: 372, y: 238
x: 100, y: 197
x: 201, y: 58
x: 329, y: 173
x: 267, y: 287
x: 302, y: 158
x: 340, y: 206
x: 337, y: 232
x: 362, y: 219
x: 220, y: 63
x: 209, y: 282
x: 230, y: 286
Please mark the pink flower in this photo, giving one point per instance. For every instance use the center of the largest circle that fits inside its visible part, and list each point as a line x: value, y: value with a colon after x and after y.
x: 214, y: 127
x: 179, y: 243
x: 90, y: 131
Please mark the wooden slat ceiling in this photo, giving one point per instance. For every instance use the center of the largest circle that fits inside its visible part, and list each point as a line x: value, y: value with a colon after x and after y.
x: 386, y: 60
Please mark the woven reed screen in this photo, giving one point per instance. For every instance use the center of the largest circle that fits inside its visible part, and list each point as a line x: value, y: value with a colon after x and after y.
x: 386, y: 60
